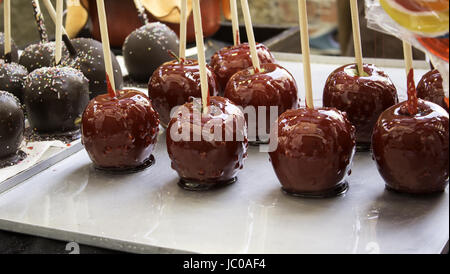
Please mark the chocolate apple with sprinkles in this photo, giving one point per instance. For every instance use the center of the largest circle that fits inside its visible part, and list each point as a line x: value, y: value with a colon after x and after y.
x: 12, y: 126
x: 12, y: 78
x: 55, y: 97
x: 14, y: 54
x: 40, y: 55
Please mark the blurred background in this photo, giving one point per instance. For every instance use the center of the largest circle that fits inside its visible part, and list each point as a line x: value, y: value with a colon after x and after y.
x: 276, y: 24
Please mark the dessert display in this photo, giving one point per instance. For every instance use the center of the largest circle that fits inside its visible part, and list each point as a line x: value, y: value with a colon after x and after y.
x: 14, y: 54
x: 12, y: 78
x: 12, y: 126
x: 431, y: 88
x: 362, y: 97
x: 146, y: 48
x: 270, y: 86
x: 206, y: 142
x: 315, y: 146
x: 361, y: 90
x: 90, y: 62
x: 176, y: 82
x: 119, y: 129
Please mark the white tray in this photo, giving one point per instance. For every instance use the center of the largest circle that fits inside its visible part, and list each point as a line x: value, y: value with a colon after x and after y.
x: 148, y: 212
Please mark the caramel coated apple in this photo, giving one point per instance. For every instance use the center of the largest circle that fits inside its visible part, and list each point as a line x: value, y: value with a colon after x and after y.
x: 412, y: 151
x: 363, y: 98
x: 120, y: 133
x: 176, y: 83
x: 205, y: 157
x: 315, y: 151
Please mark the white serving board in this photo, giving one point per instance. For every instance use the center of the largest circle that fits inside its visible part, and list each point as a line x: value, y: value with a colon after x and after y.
x: 148, y: 213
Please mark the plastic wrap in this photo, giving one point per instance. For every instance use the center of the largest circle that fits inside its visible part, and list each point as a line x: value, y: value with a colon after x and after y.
x: 422, y: 23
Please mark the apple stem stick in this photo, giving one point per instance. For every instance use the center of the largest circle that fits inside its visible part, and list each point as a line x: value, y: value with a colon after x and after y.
x: 65, y: 36
x: 250, y: 35
x: 357, y: 36
x: 304, y: 35
x: 201, y: 54
x: 412, y: 93
x: 235, y: 22
x: 7, y: 30
x: 141, y: 12
x: 183, y: 27
x: 106, y: 47
x: 39, y: 21
x: 58, y: 32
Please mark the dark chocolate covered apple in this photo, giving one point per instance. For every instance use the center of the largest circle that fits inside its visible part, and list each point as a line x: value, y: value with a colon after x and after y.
x: 315, y: 151
x: 54, y: 99
x: 207, y: 149
x: 176, y: 83
x: 230, y: 60
x: 12, y: 78
x: 273, y: 86
x: 12, y: 126
x: 362, y: 97
x: 14, y: 55
x: 40, y: 55
x: 120, y: 132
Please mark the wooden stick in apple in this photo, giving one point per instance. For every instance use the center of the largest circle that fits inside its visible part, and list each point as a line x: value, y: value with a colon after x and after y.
x: 65, y: 36
x: 304, y: 37
x: 183, y: 29
x: 413, y: 100
x: 106, y: 48
x: 39, y: 21
x: 357, y: 36
x: 250, y: 35
x: 141, y: 12
x: 58, y: 31
x: 201, y: 54
x: 235, y: 22
x: 7, y: 29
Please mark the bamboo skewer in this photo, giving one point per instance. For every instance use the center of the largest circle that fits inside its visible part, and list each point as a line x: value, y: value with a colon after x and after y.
x: 7, y: 30
x: 235, y: 22
x: 201, y: 54
x: 357, y: 36
x: 105, y: 44
x: 183, y: 29
x: 407, y: 52
x: 251, y: 35
x: 304, y: 37
x: 58, y: 31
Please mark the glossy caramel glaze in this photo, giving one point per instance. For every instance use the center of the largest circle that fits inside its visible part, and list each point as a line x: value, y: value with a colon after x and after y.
x: 120, y: 132
x: 363, y: 98
x: 174, y: 83
x: 208, y: 161
x: 315, y: 150
x: 229, y: 60
x: 430, y: 88
x: 412, y: 152
x: 55, y: 98
x: 273, y: 86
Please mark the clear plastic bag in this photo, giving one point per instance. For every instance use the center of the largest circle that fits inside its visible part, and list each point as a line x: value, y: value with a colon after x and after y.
x: 422, y: 23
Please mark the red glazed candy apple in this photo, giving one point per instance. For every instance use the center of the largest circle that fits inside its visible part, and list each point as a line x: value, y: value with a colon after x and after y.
x: 205, y: 157
x: 272, y: 86
x: 227, y: 61
x: 174, y: 83
x: 315, y: 152
x: 120, y: 132
x: 363, y: 98
x: 412, y: 150
x: 430, y: 88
